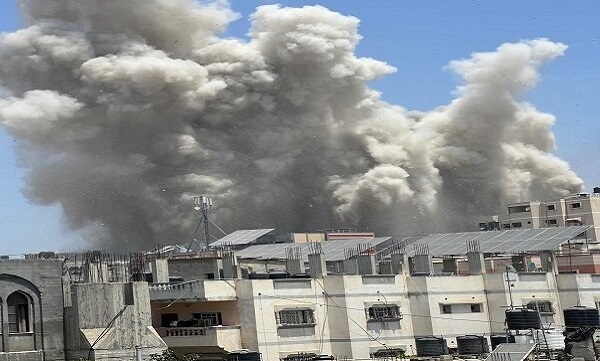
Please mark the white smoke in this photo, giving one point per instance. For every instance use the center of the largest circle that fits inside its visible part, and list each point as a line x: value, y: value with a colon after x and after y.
x: 126, y: 110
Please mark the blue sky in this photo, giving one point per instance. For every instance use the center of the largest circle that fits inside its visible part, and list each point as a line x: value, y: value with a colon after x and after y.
x: 418, y: 37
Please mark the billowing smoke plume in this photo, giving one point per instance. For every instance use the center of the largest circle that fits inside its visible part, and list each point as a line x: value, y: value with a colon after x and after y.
x: 124, y: 110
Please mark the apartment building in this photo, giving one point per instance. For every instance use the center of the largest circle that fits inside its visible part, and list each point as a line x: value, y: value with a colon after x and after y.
x: 357, y: 316
x: 574, y: 210
x: 374, y: 304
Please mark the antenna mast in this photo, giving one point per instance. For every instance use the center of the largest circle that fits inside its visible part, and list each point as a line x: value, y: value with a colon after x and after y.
x: 203, y: 204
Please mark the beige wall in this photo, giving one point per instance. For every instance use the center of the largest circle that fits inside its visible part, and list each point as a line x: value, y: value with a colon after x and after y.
x: 307, y: 237
x: 339, y: 303
x: 539, y: 216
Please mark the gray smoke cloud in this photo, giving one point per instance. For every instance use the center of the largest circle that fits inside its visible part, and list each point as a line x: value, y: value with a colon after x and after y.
x: 126, y: 110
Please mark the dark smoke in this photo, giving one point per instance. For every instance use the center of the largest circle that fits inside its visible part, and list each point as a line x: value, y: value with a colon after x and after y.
x: 127, y: 109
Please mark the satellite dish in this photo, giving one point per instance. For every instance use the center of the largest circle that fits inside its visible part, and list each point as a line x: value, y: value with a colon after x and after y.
x: 197, y: 208
x: 527, y: 209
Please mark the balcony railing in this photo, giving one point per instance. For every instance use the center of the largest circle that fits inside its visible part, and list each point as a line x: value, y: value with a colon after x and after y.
x: 217, y: 290
x: 184, y: 331
x: 226, y: 337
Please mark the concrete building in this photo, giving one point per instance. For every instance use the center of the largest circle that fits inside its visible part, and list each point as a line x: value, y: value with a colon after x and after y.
x: 53, y: 309
x: 578, y: 209
x: 379, y: 304
x: 355, y: 316
x: 352, y: 299
x: 31, y: 306
x: 107, y: 321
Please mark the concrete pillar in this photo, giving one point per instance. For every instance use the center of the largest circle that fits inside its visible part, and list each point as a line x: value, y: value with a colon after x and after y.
x: 449, y: 265
x: 548, y: 262
x: 294, y: 266
x: 399, y: 263
x: 423, y: 264
x: 351, y: 266
x: 476, y: 263
x: 231, y: 268
x: 318, y: 267
x: 160, y: 270
x: 366, y: 264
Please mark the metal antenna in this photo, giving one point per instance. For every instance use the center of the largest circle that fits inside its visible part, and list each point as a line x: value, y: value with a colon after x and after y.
x: 203, y: 204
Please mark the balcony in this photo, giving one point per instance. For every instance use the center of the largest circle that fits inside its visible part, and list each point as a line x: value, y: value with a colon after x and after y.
x: 225, y: 337
x: 204, y: 290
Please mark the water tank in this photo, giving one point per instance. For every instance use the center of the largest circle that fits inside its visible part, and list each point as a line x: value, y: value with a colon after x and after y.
x: 581, y: 316
x: 522, y: 319
x: 431, y: 346
x: 278, y: 275
x: 258, y: 275
x: 471, y: 345
x: 495, y: 340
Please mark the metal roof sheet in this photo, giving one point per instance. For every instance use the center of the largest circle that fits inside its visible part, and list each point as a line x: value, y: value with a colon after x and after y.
x: 508, y: 241
x: 511, y: 352
x: 242, y: 237
x: 333, y: 250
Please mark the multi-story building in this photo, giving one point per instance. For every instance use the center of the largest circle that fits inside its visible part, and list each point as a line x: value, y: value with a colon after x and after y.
x: 352, y: 299
x: 375, y: 305
x: 51, y: 311
x: 574, y: 210
x: 31, y: 306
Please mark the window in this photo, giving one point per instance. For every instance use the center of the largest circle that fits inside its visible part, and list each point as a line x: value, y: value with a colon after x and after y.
x: 208, y: 318
x: 446, y: 308
x: 551, y: 207
x: 544, y: 306
x: 516, y: 225
x: 519, y: 209
x: 383, y: 312
x: 18, y: 313
x: 576, y: 205
x: 295, y: 317
x: 552, y: 221
x: 476, y: 307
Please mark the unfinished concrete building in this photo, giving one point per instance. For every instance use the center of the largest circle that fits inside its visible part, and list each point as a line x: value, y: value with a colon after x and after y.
x: 56, y: 308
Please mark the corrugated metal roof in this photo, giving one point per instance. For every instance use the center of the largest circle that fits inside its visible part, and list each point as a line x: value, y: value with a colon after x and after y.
x: 511, y: 352
x: 333, y: 250
x: 241, y: 237
x: 508, y: 241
